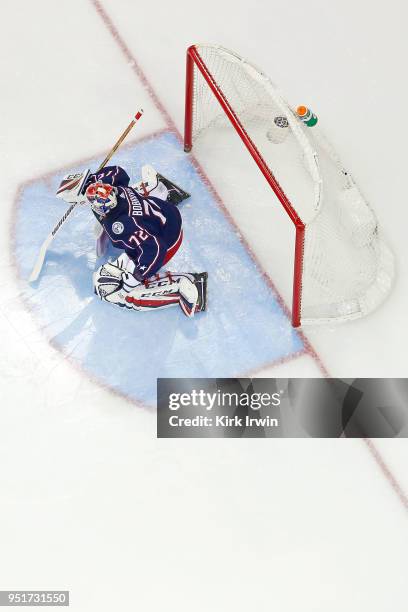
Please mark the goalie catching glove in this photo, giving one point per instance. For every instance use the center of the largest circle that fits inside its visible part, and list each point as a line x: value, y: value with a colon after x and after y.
x: 114, y: 284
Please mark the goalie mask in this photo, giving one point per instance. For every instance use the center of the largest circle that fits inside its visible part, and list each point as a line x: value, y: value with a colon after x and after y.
x: 102, y: 197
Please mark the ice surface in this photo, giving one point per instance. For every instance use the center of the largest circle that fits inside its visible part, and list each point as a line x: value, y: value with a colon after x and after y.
x: 244, y: 329
x: 90, y: 500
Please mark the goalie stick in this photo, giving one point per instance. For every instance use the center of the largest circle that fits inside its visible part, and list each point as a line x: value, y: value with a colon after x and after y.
x: 44, y: 247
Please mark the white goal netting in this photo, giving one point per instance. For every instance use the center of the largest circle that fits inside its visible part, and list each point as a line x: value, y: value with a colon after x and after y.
x: 347, y: 269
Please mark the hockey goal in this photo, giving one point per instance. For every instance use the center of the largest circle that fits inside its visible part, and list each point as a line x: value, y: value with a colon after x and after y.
x: 342, y: 268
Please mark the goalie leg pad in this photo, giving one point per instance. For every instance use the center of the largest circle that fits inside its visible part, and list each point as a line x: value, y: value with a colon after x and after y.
x: 166, y: 290
x: 162, y: 291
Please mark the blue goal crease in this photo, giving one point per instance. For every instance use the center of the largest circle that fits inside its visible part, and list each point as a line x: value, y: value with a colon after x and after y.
x: 243, y: 329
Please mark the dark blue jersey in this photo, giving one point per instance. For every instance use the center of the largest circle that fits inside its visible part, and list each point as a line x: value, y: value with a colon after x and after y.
x: 146, y: 228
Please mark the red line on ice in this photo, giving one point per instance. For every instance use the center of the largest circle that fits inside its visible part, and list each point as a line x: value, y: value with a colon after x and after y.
x: 172, y: 127
x: 308, y: 347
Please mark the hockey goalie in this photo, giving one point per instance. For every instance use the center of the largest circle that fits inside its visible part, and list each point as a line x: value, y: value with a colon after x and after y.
x: 144, y: 222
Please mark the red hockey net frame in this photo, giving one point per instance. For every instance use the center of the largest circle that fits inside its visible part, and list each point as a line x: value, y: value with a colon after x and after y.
x: 194, y: 59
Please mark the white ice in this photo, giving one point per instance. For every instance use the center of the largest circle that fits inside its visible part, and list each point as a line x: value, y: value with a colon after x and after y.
x: 90, y: 500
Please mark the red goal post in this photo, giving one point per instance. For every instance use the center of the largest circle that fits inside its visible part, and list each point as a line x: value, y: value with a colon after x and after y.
x: 194, y: 59
x: 337, y: 216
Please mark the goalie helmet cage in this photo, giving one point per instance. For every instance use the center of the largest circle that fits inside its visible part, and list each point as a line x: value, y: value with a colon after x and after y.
x: 342, y: 267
